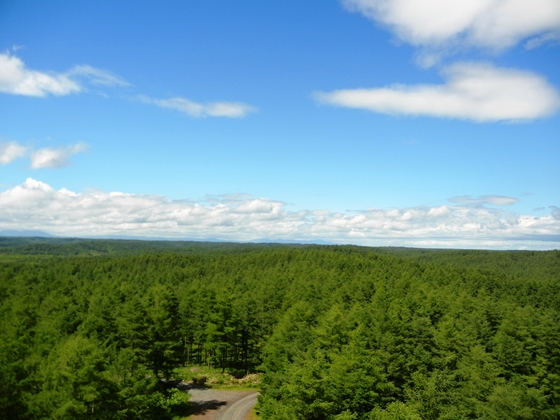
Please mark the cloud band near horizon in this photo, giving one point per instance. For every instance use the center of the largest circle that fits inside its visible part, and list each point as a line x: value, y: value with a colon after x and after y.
x: 35, y: 205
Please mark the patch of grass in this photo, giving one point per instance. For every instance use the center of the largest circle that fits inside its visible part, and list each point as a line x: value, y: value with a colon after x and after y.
x: 253, y: 415
x: 214, y: 378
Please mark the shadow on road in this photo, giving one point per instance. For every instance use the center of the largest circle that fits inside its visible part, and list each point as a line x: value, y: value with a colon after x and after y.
x: 205, y: 406
x: 199, y: 403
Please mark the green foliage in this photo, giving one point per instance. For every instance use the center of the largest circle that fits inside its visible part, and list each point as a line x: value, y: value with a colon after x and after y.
x: 94, y: 329
x: 395, y: 411
x: 74, y: 383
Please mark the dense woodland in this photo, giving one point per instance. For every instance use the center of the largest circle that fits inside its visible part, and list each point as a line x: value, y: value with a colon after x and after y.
x: 88, y: 329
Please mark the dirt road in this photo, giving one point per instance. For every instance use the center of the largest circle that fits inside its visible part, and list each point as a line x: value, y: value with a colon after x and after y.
x: 218, y: 404
x: 240, y: 409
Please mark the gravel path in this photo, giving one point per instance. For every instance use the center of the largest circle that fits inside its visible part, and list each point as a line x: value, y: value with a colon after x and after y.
x: 239, y: 409
x: 213, y: 404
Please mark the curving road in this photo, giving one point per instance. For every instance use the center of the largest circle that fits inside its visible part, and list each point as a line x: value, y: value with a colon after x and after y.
x: 239, y: 410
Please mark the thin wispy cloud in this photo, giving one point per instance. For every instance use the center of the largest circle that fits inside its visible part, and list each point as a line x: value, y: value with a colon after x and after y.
x: 542, y: 40
x: 496, y: 200
x: 472, y: 91
x: 96, y: 76
x: 196, y: 109
x: 17, y: 79
x: 495, y: 24
x: 35, y: 205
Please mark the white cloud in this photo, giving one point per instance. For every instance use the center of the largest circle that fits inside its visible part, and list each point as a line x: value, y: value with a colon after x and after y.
x: 195, y: 109
x: 54, y: 157
x: 97, y: 76
x: 48, y: 157
x: 540, y: 40
x: 17, y: 79
x: 472, y: 91
x: 10, y: 151
x: 496, y: 200
x: 496, y: 24
x: 34, y: 205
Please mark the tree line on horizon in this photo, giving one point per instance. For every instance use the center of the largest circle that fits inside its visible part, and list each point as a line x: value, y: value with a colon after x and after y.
x: 340, y: 332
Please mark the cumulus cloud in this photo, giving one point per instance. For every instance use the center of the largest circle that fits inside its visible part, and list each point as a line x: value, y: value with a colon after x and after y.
x: 49, y: 157
x: 496, y: 200
x: 195, y: 109
x: 17, y: 79
x: 472, y: 91
x: 35, y: 205
x: 495, y: 24
x: 10, y: 151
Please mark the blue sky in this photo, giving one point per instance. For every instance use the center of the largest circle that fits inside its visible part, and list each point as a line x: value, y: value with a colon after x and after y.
x: 375, y: 122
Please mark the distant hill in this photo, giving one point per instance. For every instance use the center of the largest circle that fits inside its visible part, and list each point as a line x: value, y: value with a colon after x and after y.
x: 26, y: 233
x: 52, y: 246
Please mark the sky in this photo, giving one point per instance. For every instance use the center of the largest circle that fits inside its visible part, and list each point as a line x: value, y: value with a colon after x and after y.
x: 424, y: 123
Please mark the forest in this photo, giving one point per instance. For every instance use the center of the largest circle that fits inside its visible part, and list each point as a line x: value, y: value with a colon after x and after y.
x: 95, y: 329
